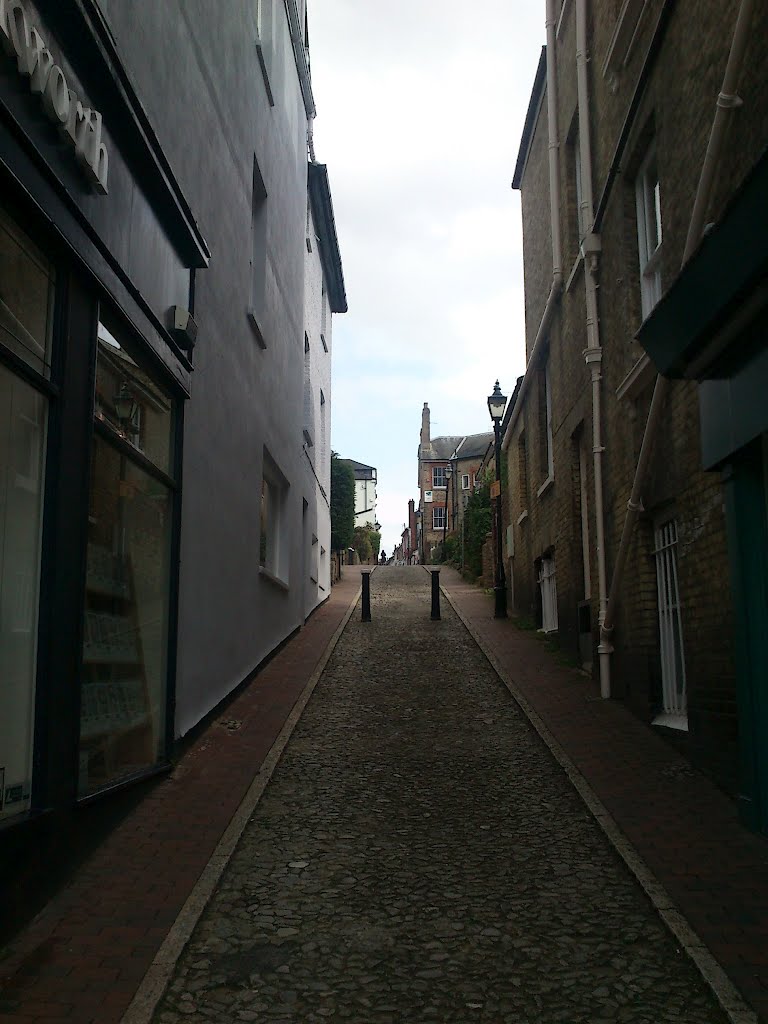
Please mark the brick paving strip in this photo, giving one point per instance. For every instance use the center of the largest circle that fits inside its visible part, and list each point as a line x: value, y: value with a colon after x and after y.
x: 82, y: 959
x: 677, y: 832
x: 419, y: 855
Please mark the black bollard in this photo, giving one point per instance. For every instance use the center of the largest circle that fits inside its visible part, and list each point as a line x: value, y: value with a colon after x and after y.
x: 366, y: 616
x: 435, y: 594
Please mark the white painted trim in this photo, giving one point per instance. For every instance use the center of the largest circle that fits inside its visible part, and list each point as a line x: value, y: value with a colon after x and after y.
x: 679, y: 722
x: 639, y: 377
x: 545, y: 486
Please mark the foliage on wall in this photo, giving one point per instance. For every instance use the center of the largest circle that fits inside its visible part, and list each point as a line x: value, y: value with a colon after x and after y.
x: 342, y: 503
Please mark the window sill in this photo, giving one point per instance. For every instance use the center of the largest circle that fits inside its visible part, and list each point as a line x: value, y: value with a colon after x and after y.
x: 255, y: 326
x: 549, y: 482
x: 669, y: 721
x: 522, y: 517
x: 273, y: 579
x: 642, y: 374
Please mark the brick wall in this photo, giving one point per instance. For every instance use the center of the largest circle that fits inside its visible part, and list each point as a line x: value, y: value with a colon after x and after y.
x: 677, y: 109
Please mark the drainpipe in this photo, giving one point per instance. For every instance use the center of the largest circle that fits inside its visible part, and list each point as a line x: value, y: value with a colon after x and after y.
x: 593, y: 354
x: 727, y: 102
x: 554, y: 215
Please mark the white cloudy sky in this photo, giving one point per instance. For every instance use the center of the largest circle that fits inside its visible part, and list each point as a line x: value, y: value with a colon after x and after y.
x: 421, y: 106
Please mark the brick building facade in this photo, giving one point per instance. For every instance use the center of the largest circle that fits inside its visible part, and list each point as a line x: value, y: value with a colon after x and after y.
x: 434, y: 459
x: 448, y: 467
x: 608, y: 170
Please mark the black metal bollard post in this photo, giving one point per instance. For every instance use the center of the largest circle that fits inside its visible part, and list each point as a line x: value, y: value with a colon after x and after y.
x: 366, y: 616
x: 435, y: 594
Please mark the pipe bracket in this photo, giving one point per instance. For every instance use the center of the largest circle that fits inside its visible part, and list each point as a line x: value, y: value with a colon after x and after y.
x: 729, y: 102
x: 635, y: 506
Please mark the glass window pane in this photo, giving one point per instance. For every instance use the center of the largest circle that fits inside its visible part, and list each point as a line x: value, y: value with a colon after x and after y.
x: 131, y: 402
x: 22, y: 451
x: 26, y: 297
x: 122, y: 719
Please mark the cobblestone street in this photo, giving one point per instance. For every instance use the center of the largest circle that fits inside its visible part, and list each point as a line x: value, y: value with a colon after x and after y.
x: 419, y: 855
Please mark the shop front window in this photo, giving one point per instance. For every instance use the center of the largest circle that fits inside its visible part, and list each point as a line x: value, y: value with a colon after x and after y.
x: 26, y: 317
x: 26, y: 297
x: 125, y: 645
x: 22, y: 451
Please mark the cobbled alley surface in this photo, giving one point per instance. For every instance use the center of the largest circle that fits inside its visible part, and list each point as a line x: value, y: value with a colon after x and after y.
x: 420, y: 856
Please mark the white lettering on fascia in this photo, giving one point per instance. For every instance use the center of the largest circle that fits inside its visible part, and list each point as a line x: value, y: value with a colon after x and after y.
x: 79, y: 125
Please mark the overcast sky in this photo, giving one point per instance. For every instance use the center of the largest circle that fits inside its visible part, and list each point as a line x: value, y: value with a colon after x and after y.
x: 420, y: 108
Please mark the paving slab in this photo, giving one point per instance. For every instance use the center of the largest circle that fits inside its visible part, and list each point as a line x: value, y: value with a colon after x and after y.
x: 419, y: 854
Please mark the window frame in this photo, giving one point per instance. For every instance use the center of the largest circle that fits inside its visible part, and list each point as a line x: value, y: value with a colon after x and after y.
x: 546, y: 577
x: 437, y: 472
x: 438, y: 512
x: 276, y: 564
x: 648, y: 214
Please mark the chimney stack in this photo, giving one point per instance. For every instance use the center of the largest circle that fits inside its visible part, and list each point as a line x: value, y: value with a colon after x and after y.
x: 425, y: 426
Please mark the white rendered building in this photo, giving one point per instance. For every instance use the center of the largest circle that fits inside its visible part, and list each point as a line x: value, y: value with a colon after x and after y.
x: 323, y: 296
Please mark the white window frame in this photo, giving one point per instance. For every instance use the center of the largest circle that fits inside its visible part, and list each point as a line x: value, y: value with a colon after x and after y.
x: 649, y: 230
x: 438, y: 472
x: 465, y: 481
x: 546, y: 580
x: 438, y: 513
x: 274, y: 489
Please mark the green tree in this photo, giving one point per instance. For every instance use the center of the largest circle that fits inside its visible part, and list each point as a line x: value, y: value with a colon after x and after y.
x: 342, y: 503
x: 367, y: 542
x: 477, y: 525
x: 362, y: 544
x: 375, y: 538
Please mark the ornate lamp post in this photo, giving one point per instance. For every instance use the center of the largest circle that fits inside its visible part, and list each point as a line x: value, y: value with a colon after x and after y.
x: 496, y: 405
x: 448, y: 475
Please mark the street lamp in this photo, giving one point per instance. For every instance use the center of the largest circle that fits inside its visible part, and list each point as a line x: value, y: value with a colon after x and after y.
x: 496, y: 405
x: 448, y: 474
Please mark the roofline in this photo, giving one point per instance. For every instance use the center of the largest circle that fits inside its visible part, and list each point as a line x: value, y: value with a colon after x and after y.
x: 531, y: 117
x: 358, y: 465
x: 325, y: 226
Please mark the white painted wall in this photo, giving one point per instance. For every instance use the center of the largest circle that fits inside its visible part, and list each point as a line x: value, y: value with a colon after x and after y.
x: 365, y: 498
x: 317, y: 416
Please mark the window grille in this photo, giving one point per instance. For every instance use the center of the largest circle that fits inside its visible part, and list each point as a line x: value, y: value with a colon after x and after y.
x: 670, y: 623
x: 548, y: 587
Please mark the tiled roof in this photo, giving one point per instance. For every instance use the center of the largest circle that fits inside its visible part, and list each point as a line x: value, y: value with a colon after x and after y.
x: 440, y: 448
x: 474, y: 445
